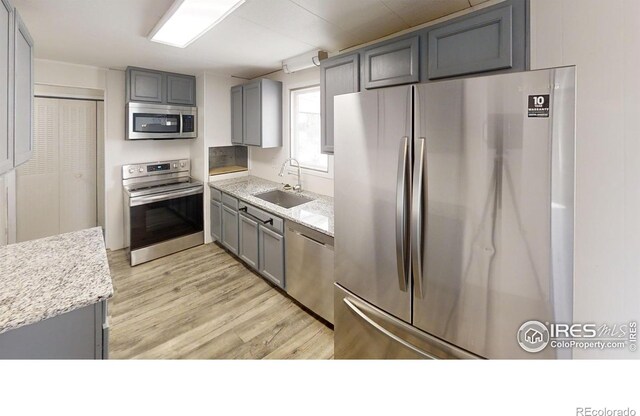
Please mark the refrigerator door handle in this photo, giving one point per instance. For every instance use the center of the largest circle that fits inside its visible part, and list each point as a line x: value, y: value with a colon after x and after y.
x: 401, y: 215
x: 416, y: 216
x: 386, y: 332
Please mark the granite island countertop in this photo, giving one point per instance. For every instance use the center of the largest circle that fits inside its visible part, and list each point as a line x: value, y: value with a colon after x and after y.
x: 316, y: 214
x: 43, y: 278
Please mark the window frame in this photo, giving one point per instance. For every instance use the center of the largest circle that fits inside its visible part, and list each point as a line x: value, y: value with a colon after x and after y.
x: 293, y: 168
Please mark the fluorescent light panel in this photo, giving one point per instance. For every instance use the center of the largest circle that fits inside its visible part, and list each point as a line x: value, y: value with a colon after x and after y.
x: 187, y: 20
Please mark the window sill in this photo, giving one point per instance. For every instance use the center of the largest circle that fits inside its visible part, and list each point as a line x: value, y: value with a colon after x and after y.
x: 304, y: 172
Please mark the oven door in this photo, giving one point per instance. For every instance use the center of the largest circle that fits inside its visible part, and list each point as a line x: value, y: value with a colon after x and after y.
x: 162, y: 217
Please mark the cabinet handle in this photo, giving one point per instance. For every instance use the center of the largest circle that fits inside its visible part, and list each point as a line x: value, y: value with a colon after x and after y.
x: 309, y: 238
x: 244, y: 211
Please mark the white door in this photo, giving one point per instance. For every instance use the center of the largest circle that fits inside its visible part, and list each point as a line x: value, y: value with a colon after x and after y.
x: 56, y: 189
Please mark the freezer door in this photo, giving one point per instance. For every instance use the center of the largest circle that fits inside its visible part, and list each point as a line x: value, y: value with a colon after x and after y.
x: 372, y: 133
x: 493, y: 219
x: 365, y: 332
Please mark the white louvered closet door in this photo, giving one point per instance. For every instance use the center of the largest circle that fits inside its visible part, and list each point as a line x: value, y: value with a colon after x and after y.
x: 78, y: 208
x: 56, y: 189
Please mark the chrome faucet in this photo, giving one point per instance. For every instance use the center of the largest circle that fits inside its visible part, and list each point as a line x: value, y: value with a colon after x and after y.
x: 298, y: 187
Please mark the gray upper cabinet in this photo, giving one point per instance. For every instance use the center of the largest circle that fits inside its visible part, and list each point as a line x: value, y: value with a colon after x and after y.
x: 181, y: 89
x: 392, y: 63
x: 23, y: 94
x: 236, y: 114
x: 488, y: 40
x: 150, y: 86
x: 144, y: 85
x: 6, y: 103
x: 338, y: 75
x: 252, y: 116
x: 256, y: 113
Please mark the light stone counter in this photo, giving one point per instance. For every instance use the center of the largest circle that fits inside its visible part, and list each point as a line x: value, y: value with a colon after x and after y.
x: 316, y: 214
x: 43, y: 278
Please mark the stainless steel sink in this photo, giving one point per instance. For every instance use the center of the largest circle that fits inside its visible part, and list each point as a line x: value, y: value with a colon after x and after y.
x: 282, y: 198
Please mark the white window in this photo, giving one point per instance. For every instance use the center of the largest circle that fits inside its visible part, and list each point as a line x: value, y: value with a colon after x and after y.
x: 305, y: 129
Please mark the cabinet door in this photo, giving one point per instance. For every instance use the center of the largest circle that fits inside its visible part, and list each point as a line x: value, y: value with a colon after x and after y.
x: 181, y: 89
x: 252, y: 114
x: 230, y: 229
x: 215, y: 215
x: 6, y: 133
x: 248, y: 248
x: 236, y: 114
x: 337, y: 76
x: 271, y: 249
x: 23, y: 95
x: 481, y: 42
x: 145, y: 85
x: 392, y: 63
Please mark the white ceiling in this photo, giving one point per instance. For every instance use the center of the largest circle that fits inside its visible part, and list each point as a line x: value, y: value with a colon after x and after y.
x: 250, y: 42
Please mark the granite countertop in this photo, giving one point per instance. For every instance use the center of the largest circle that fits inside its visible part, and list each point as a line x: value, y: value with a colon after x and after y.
x: 316, y: 214
x: 43, y: 278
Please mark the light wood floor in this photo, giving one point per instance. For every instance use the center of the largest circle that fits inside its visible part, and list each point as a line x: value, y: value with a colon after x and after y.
x: 203, y: 303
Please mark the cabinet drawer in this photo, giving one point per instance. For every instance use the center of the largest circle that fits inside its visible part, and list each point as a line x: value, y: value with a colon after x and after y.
x: 216, y: 195
x: 230, y: 201
x: 264, y: 218
x: 482, y: 42
x: 392, y: 63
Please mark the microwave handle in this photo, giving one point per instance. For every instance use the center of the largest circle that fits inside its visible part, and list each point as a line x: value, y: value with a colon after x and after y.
x: 181, y: 123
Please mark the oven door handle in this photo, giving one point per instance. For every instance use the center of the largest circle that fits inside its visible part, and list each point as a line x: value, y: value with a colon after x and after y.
x: 147, y: 199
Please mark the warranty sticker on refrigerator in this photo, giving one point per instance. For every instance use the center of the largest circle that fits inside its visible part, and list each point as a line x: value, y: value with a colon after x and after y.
x: 538, y: 105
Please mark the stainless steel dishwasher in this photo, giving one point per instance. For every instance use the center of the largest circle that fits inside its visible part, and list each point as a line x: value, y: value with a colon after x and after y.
x: 309, y: 265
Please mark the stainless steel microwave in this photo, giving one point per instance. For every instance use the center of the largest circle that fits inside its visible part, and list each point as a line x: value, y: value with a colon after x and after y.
x: 160, y: 122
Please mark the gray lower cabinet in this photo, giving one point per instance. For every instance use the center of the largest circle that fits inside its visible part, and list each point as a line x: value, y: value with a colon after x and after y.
x: 23, y: 92
x: 79, y: 334
x: 230, y: 229
x: 248, y: 248
x: 236, y: 115
x: 151, y: 86
x: 271, y: 249
x: 215, y: 215
x: 6, y: 67
x: 338, y: 75
x: 392, y: 63
x: 488, y: 40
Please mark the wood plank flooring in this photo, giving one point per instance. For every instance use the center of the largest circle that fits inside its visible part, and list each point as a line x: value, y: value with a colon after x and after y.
x: 203, y: 303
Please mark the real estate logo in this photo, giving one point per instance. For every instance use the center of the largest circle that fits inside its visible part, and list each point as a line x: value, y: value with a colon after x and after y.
x: 533, y: 336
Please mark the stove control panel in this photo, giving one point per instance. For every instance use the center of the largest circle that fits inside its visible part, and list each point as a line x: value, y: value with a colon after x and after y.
x: 155, y: 168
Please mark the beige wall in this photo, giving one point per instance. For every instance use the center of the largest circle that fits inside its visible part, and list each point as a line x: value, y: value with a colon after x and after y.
x: 266, y: 163
x: 602, y: 39
x: 119, y: 151
x: 214, y: 128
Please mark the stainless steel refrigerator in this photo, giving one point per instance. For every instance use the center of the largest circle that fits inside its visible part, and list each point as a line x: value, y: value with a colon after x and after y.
x: 454, y: 215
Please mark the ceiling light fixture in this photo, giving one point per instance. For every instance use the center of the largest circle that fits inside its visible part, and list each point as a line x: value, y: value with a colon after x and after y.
x: 304, y: 61
x: 187, y: 20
